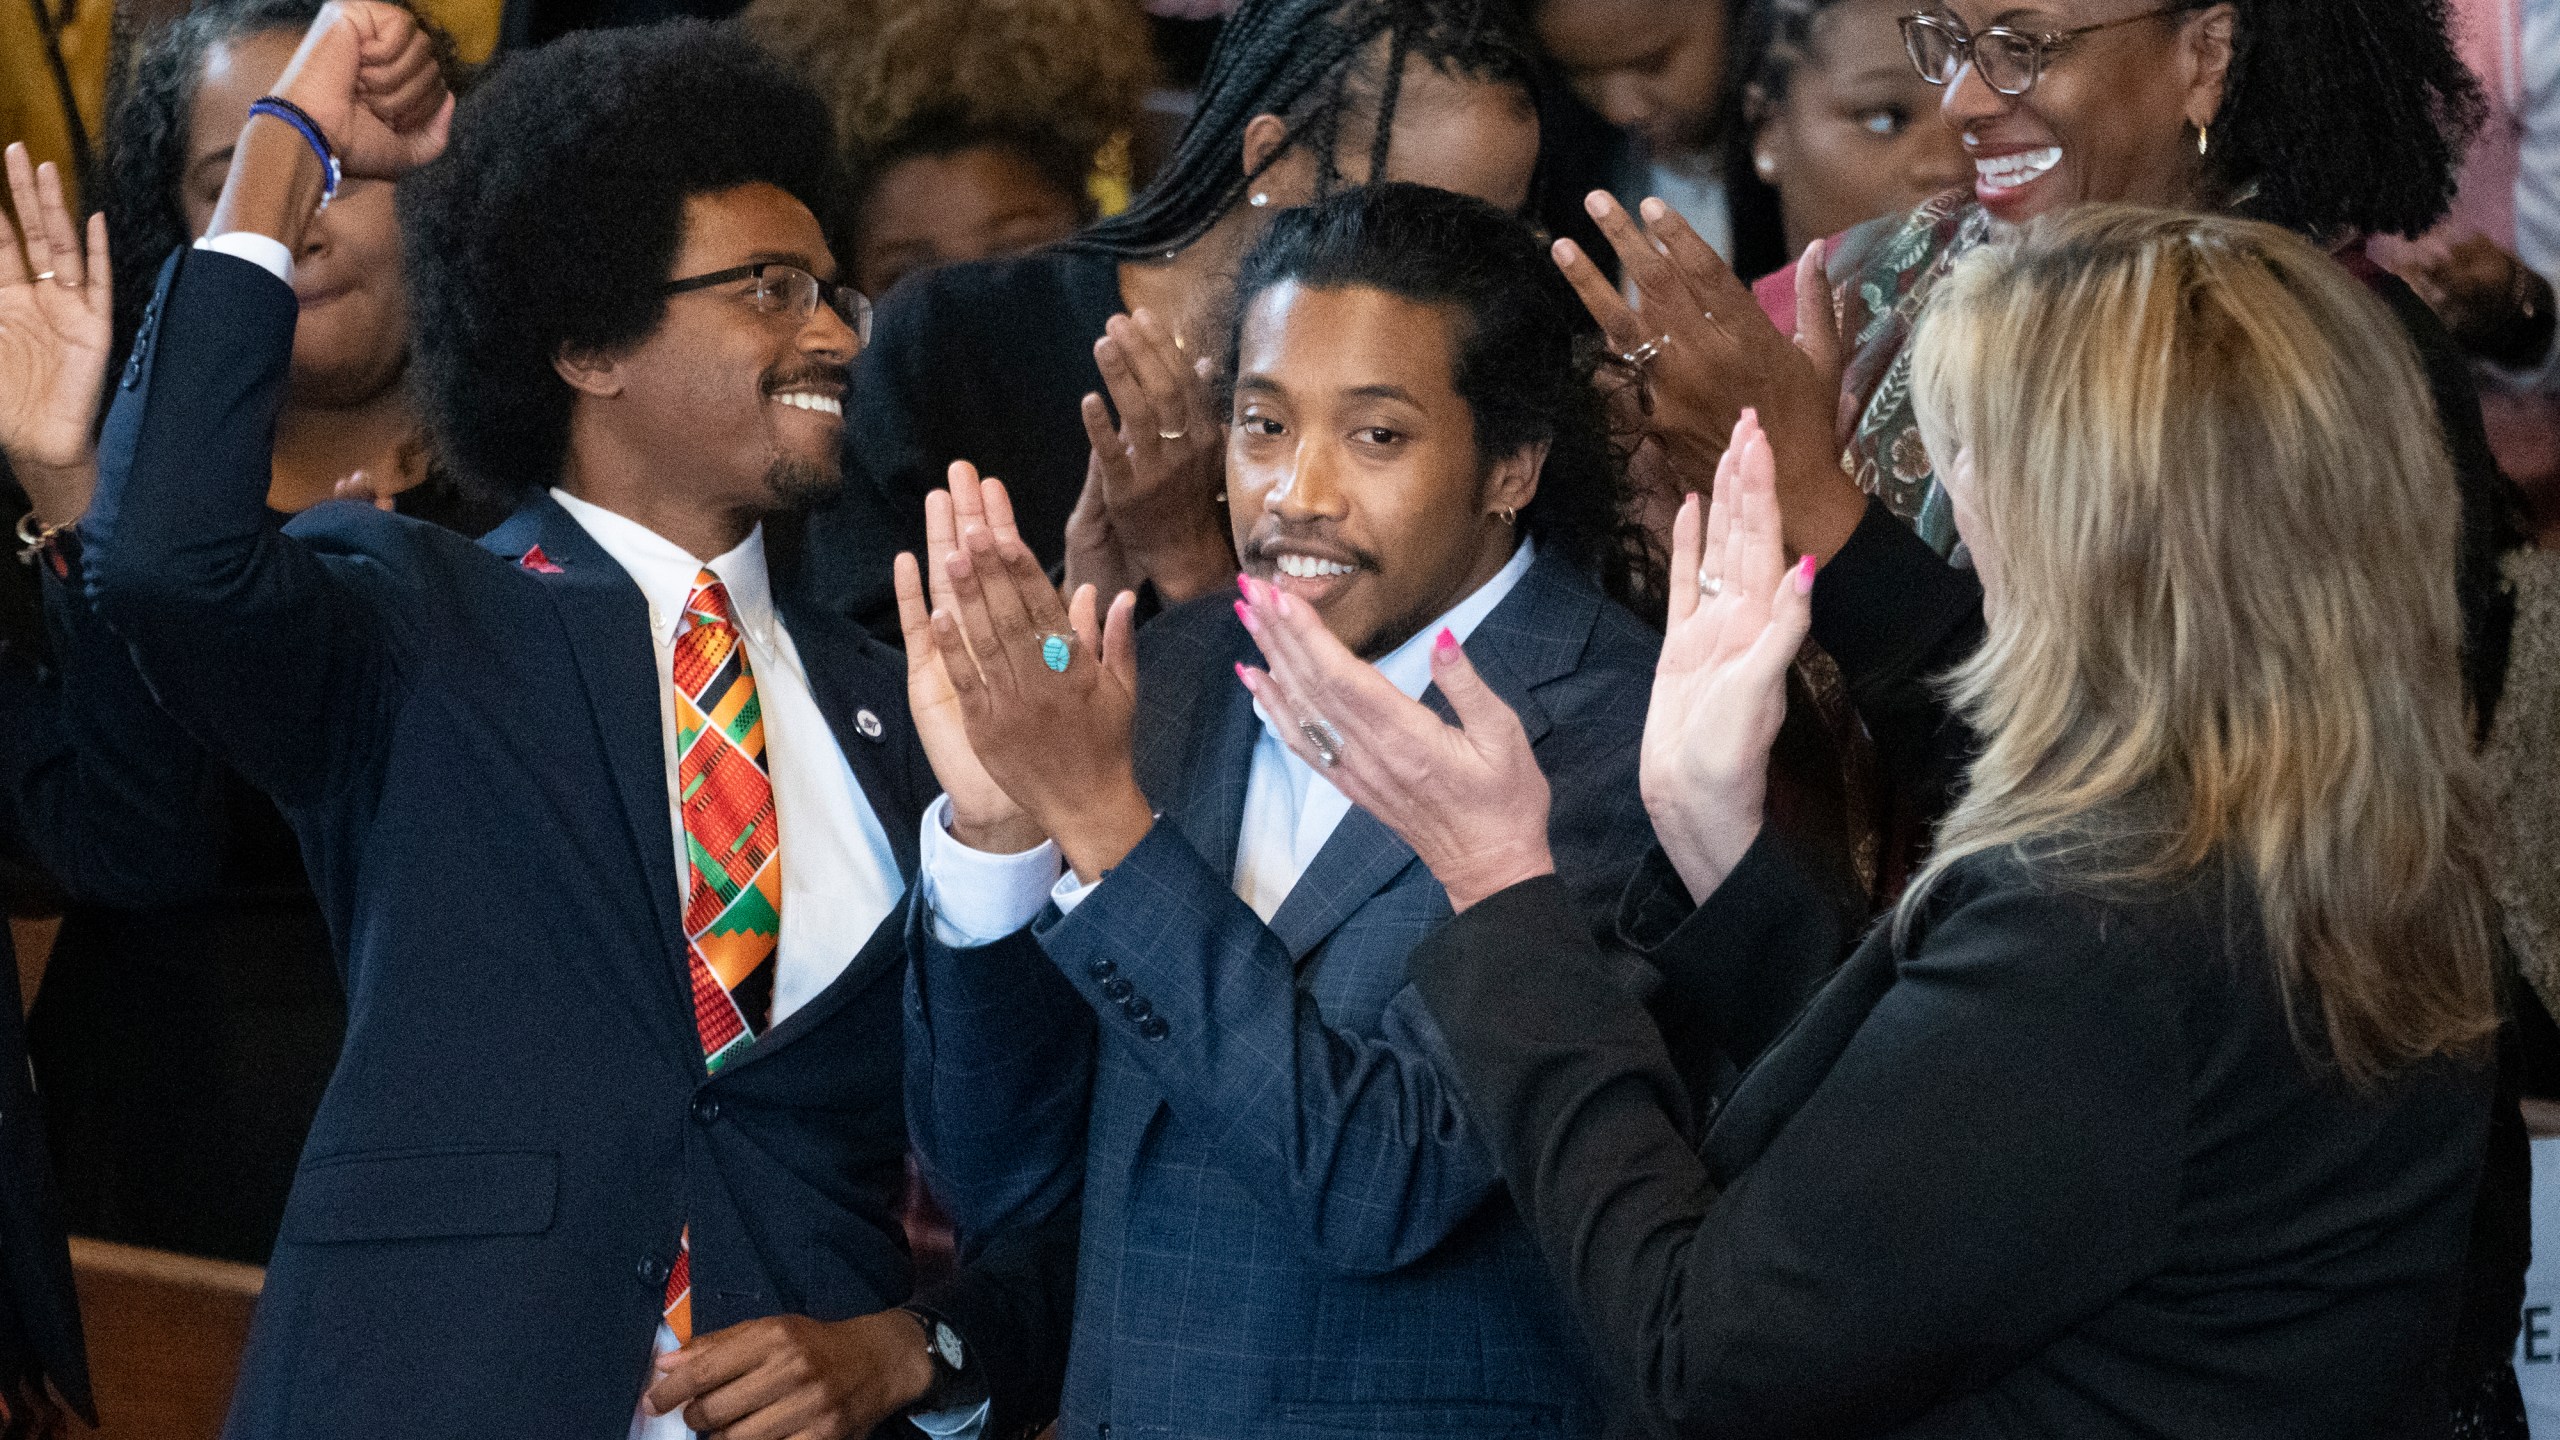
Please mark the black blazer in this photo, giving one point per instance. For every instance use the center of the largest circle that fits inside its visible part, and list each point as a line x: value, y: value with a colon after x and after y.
x: 2054, y: 1167
x: 466, y: 737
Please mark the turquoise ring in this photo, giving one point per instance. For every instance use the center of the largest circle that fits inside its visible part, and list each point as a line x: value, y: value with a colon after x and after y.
x: 1054, y: 652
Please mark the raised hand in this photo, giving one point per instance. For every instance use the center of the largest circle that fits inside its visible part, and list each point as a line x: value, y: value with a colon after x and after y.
x: 1738, y: 615
x: 983, y: 816
x: 1046, y: 689
x: 367, y: 75
x: 1714, y: 353
x: 1093, y: 553
x: 54, y: 329
x: 1163, y: 468
x: 1468, y: 798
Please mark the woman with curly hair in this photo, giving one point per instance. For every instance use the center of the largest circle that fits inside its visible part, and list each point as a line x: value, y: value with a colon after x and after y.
x: 970, y: 126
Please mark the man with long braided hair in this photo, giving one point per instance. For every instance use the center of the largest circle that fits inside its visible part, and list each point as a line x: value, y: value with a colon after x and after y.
x: 1006, y: 363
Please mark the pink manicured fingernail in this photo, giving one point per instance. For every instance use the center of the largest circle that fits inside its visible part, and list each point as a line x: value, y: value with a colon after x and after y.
x: 1244, y: 584
x: 1446, y: 645
x: 1804, y: 576
x: 1240, y: 670
x: 1245, y: 614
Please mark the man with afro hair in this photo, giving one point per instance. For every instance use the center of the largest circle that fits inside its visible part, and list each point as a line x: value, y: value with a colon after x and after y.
x: 612, y: 835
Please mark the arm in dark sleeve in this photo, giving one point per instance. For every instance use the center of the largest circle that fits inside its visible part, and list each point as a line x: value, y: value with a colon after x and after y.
x: 104, y: 793
x: 1736, y: 970
x: 1991, y: 1155
x: 1896, y: 616
x: 1014, y: 1307
x: 999, y: 1080
x: 257, y: 646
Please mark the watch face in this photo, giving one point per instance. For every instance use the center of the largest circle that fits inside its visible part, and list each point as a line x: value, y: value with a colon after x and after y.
x: 946, y: 1343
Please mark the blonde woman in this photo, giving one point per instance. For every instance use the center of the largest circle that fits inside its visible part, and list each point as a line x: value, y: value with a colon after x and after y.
x: 2158, y: 1107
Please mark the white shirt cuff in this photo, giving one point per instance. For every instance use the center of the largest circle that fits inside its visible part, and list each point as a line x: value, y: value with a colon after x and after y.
x: 264, y: 251
x: 1069, y: 892
x: 974, y: 898
x: 954, y: 1424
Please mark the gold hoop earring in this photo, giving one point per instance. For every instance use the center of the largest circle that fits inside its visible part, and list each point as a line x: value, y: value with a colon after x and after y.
x: 2204, y: 140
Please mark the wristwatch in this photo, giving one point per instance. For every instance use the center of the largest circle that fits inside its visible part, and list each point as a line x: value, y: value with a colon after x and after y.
x: 956, y: 1386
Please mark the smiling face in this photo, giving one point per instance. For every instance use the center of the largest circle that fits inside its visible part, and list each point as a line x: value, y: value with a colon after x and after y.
x: 2113, y: 117
x: 351, y: 339
x: 1859, y: 134
x: 741, y: 407
x: 1353, y: 478
x: 1652, y: 66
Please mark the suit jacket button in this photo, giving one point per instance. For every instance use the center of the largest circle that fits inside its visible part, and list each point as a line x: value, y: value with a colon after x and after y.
x: 706, y: 1109
x: 1116, y: 988
x: 653, y: 1271
x: 1154, y: 1028
x: 1103, y: 969
x: 1139, y: 1010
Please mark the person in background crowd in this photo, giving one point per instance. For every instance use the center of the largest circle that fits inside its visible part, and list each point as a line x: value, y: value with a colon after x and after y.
x: 1833, y: 118
x: 182, y: 1041
x: 2486, y: 270
x: 99, y: 789
x: 604, y: 820
x: 2338, y: 121
x: 2159, y: 1106
x: 1188, y: 1004
x: 1006, y: 363
x: 1662, y: 73
x: 944, y: 188
x: 1054, y: 86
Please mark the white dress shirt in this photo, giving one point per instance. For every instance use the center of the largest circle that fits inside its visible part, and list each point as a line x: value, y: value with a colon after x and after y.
x: 2538, y: 163
x: 1290, y: 810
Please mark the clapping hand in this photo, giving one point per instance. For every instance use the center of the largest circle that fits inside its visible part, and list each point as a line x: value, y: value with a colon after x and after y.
x: 1160, y: 472
x: 1468, y: 798
x: 1705, y: 352
x: 983, y: 816
x: 1045, y: 688
x: 1738, y: 616
x: 54, y: 314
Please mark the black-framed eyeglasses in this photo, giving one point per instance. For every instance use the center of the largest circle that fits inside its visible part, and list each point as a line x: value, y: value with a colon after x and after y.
x: 782, y: 289
x: 2008, y: 61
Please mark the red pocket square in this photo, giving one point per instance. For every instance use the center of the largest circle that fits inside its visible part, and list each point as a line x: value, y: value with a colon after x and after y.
x: 537, y: 562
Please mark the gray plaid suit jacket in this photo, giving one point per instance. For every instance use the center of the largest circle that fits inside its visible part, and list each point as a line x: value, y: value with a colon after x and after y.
x: 1290, y: 1231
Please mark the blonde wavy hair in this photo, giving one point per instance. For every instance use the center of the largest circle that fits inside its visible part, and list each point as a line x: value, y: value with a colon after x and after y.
x: 2219, y: 501
x: 1079, y: 68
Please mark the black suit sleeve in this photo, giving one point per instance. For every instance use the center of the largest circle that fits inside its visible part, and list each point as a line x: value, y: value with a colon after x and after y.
x: 1896, y: 616
x: 1014, y: 1307
x: 1990, y: 1157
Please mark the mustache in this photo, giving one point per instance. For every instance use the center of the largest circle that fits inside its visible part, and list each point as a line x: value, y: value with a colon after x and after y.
x: 1259, y: 547
x: 778, y: 379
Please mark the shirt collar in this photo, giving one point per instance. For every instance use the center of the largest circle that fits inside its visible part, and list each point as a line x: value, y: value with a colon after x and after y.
x: 1408, y: 666
x: 665, y: 571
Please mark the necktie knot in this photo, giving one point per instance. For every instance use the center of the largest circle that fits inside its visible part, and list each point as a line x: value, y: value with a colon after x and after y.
x: 709, y: 603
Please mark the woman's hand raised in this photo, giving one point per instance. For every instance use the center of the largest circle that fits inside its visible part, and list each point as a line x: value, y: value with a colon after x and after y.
x: 1162, y: 470
x: 1738, y: 616
x: 1705, y: 352
x: 1468, y: 798
x: 54, y: 305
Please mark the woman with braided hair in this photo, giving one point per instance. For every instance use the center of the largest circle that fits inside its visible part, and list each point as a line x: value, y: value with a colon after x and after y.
x: 1007, y: 363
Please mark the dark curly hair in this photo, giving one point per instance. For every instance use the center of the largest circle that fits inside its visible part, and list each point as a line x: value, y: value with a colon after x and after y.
x: 2344, y: 117
x: 1527, y: 350
x: 150, y: 100
x: 943, y: 130
x: 1334, y: 69
x: 552, y: 217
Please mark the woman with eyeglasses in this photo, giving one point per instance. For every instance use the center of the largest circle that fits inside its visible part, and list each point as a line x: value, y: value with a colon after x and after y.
x: 2338, y: 120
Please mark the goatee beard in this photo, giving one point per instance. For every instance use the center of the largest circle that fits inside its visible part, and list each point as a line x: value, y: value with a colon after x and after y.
x: 800, y: 484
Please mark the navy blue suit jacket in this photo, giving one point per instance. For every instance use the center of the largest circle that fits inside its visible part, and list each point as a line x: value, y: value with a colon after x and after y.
x: 1290, y: 1229
x: 468, y: 743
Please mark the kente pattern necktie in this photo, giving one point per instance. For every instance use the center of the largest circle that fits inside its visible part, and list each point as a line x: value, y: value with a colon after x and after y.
x: 733, y: 913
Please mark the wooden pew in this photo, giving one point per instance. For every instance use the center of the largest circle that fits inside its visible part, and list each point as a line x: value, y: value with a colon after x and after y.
x: 165, y: 1334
